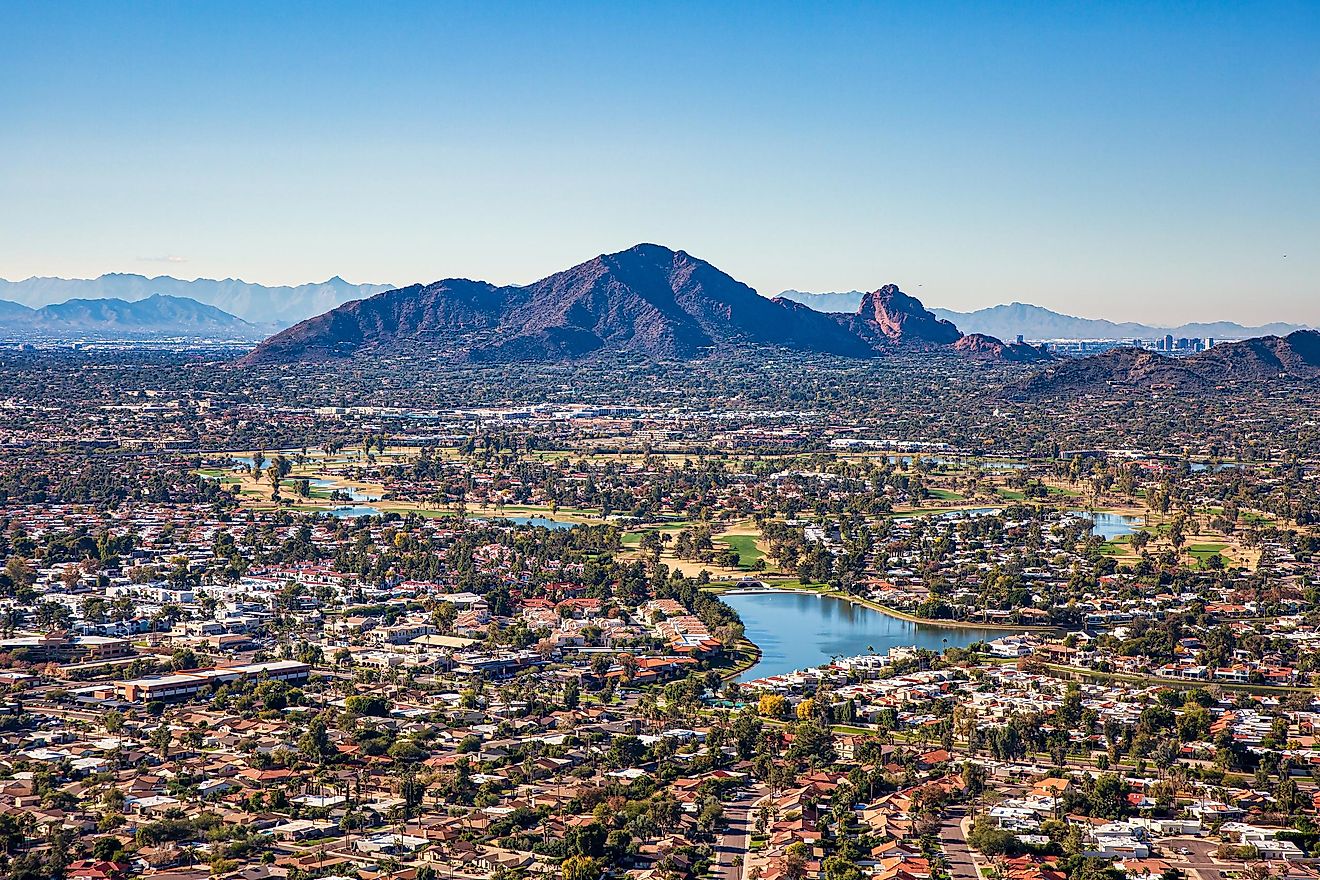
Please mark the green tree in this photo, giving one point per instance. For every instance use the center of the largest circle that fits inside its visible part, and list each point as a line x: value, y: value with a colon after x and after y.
x: 314, y: 744
x: 580, y: 868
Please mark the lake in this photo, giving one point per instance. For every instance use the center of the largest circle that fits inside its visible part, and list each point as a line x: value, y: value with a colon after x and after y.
x: 804, y: 630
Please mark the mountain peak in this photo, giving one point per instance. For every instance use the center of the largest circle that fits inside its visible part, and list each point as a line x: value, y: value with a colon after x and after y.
x: 649, y: 300
x: 644, y: 256
x: 648, y: 249
x: 900, y: 318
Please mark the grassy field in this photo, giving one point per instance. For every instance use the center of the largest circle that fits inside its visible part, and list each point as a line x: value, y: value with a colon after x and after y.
x: 1120, y: 546
x: 745, y: 547
x: 1202, y: 553
x: 632, y: 539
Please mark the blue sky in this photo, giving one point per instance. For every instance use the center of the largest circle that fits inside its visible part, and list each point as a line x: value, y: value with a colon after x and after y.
x: 1146, y: 161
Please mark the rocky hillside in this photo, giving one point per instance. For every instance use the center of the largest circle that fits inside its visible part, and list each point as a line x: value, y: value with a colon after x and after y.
x: 648, y: 300
x: 1294, y: 357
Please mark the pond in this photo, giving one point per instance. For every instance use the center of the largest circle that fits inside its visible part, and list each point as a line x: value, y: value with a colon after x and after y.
x: 804, y: 630
x: 540, y: 521
x: 1112, y: 525
x: 353, y: 511
x: 332, y: 485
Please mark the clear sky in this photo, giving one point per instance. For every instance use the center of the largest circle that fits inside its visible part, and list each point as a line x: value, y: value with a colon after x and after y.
x: 1151, y: 161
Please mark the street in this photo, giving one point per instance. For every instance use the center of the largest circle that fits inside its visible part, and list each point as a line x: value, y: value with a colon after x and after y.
x: 962, y: 865
x: 736, y: 836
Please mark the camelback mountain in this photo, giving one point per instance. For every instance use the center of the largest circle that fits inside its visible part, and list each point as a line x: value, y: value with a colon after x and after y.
x: 889, y: 316
x: 648, y: 300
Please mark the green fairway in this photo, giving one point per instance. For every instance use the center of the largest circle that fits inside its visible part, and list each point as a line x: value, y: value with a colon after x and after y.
x: 1120, y: 546
x: 745, y: 547
x: 1203, y: 552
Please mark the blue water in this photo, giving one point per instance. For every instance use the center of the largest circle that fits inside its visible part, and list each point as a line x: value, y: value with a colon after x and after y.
x: 354, y: 511
x: 1112, y: 525
x: 543, y: 522
x: 804, y: 630
x: 353, y: 494
x: 249, y: 460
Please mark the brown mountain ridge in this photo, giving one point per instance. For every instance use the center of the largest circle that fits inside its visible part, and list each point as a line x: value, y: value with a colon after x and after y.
x: 647, y: 300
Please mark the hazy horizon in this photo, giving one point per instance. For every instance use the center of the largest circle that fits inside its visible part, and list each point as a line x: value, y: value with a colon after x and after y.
x: 1117, y: 319
x: 1153, y: 163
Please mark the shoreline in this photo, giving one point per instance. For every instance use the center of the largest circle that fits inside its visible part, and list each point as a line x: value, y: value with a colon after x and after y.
x: 754, y: 650
x: 948, y: 624
x: 895, y: 613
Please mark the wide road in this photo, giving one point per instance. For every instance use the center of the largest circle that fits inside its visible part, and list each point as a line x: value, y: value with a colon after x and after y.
x: 733, y: 841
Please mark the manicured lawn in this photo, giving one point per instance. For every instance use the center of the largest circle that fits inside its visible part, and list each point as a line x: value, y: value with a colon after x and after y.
x: 944, y: 495
x: 1204, y: 552
x: 1120, y: 546
x: 632, y: 539
x: 745, y: 547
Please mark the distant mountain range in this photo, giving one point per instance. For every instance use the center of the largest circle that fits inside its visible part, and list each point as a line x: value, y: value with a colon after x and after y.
x: 156, y: 315
x: 254, y: 303
x: 1037, y: 323
x: 834, y: 303
x: 283, y: 306
x: 647, y: 300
